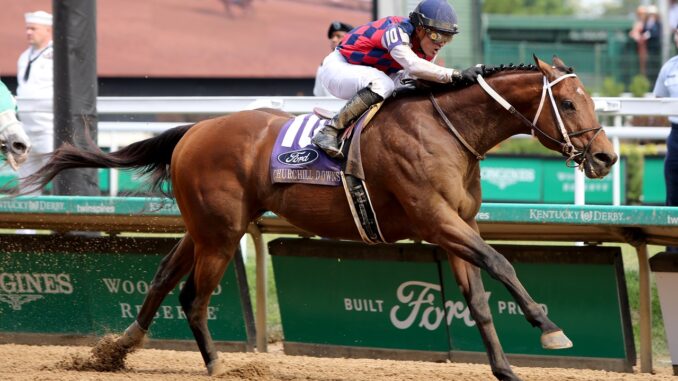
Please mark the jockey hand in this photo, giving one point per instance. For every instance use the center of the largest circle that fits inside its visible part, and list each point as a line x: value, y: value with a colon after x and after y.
x: 469, y: 76
x: 404, y: 84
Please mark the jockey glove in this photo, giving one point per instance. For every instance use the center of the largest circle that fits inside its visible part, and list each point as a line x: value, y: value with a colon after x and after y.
x: 470, y: 75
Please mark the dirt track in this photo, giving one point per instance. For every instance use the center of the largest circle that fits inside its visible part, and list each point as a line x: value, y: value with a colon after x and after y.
x: 23, y: 362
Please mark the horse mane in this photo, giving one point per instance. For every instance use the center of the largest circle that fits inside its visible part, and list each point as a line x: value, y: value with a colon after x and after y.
x: 422, y: 87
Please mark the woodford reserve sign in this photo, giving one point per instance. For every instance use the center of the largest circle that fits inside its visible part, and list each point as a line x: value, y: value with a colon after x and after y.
x: 93, y: 286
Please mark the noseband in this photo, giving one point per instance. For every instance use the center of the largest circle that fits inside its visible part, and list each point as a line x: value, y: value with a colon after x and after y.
x: 7, y: 119
x: 566, y: 147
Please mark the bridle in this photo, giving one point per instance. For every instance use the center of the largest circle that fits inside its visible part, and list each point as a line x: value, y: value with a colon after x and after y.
x: 8, y: 119
x: 566, y: 147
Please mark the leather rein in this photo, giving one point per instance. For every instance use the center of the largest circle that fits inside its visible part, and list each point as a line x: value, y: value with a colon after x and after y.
x: 566, y: 147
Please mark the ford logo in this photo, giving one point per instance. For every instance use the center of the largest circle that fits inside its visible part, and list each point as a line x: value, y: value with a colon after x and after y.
x: 299, y: 157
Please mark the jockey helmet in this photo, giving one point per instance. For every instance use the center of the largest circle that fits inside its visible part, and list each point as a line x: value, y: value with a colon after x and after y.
x: 435, y: 14
x: 338, y: 26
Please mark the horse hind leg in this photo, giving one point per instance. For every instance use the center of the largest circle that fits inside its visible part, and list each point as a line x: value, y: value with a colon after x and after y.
x: 471, y: 284
x: 209, y: 266
x: 170, y: 271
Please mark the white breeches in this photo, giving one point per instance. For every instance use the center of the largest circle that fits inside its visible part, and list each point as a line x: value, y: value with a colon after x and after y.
x: 343, y: 80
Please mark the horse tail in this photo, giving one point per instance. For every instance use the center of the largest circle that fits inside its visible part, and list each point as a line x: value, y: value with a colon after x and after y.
x: 149, y: 157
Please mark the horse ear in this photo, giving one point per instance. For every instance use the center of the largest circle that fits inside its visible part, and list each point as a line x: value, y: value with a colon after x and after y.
x: 545, y: 68
x: 557, y: 62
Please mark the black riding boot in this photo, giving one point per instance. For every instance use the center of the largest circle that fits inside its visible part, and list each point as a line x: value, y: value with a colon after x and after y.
x: 326, y: 138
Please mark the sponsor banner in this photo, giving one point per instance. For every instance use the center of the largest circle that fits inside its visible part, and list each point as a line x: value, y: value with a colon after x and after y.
x: 512, y: 179
x: 392, y: 303
x: 361, y: 303
x: 90, y: 205
x: 592, y: 320
x: 654, y: 184
x: 65, y: 290
x: 559, y: 184
x: 540, y: 180
x: 579, y: 214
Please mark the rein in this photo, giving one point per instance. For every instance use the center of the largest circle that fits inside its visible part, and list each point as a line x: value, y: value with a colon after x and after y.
x: 454, y: 130
x: 567, y: 148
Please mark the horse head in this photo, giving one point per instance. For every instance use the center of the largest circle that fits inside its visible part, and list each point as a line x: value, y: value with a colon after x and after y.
x: 14, y: 142
x: 570, y: 125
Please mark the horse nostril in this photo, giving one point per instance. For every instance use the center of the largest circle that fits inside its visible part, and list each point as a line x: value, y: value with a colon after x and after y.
x: 19, y: 148
x: 607, y: 159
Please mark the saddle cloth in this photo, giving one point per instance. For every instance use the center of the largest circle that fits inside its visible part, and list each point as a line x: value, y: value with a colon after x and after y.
x: 296, y: 160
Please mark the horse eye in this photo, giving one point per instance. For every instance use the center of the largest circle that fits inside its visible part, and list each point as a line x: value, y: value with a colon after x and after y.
x: 568, y: 105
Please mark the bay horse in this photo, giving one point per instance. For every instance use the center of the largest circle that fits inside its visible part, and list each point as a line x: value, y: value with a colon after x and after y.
x: 424, y: 182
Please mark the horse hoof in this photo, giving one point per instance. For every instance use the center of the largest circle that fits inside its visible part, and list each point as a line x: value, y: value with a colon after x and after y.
x: 555, y: 340
x: 216, y: 368
x: 133, y: 336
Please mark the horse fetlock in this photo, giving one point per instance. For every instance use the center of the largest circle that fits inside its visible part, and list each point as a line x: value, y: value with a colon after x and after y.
x: 555, y: 340
x: 216, y: 368
x: 133, y: 336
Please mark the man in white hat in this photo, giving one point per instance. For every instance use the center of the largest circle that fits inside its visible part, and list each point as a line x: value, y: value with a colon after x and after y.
x: 35, y: 79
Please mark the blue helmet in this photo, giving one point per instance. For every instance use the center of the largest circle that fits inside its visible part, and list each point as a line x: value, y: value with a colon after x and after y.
x: 435, y: 14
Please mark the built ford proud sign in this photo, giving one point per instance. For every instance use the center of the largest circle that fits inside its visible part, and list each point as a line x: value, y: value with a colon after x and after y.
x: 402, y: 301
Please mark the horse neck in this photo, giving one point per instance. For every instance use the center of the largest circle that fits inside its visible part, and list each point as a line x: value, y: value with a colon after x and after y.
x: 482, y: 121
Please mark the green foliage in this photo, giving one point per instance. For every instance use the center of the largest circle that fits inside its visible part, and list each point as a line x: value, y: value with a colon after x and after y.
x: 635, y: 162
x: 527, y: 7
x: 639, y: 86
x: 611, y: 87
x: 523, y: 147
x: 621, y: 8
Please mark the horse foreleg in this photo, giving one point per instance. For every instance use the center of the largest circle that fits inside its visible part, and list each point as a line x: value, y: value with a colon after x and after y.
x: 458, y: 237
x: 209, y: 266
x: 471, y: 284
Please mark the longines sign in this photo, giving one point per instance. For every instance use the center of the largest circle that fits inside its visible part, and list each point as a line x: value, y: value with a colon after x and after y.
x: 54, y: 290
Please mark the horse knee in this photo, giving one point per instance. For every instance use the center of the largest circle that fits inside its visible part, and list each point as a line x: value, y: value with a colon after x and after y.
x: 480, y: 308
x: 499, y: 268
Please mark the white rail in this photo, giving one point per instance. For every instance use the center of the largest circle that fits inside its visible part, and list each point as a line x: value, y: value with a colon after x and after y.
x: 129, y: 108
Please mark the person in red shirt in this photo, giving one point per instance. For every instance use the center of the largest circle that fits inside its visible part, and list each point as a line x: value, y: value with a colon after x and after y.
x: 372, y: 57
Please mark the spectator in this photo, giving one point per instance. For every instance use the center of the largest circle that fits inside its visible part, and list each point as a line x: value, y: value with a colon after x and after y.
x: 35, y: 80
x: 667, y: 86
x: 636, y: 33
x: 652, y: 33
x: 335, y: 33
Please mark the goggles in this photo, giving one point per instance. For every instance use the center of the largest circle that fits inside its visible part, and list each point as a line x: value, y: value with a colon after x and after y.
x: 438, y: 37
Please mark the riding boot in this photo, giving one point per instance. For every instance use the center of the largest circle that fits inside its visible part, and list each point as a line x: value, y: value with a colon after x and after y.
x: 327, y: 137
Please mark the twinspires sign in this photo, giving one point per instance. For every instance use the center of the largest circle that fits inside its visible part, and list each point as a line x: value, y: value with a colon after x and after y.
x: 404, y: 298
x: 81, y: 286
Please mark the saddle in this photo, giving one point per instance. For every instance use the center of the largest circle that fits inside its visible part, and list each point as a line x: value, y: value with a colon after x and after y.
x: 353, y: 176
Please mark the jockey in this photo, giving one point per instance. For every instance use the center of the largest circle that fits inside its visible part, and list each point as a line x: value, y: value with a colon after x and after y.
x: 371, y: 57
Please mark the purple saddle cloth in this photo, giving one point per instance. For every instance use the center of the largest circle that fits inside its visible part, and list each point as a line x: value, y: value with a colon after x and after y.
x: 296, y: 160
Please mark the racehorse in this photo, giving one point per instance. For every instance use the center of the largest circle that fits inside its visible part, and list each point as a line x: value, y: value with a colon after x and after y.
x: 423, y: 180
x: 14, y: 143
